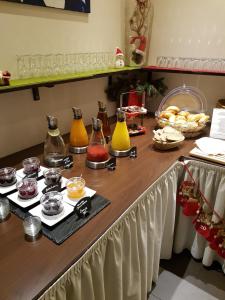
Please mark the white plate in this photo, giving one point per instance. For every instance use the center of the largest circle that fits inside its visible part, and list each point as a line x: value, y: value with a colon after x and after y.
x: 51, y: 220
x: 21, y: 174
x: 6, y: 189
x: 73, y: 202
x: 26, y: 203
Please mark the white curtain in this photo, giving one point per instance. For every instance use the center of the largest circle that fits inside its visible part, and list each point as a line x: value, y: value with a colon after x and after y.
x: 122, y: 264
x: 211, y: 181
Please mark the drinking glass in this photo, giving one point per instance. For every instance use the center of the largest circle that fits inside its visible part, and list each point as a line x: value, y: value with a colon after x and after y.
x: 4, y: 209
x: 32, y: 226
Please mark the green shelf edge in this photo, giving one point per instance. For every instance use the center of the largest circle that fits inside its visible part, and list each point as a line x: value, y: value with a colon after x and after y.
x: 18, y: 84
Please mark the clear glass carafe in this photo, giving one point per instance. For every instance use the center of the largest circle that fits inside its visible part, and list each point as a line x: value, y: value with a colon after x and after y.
x: 97, y: 150
x: 78, y: 133
x: 54, y: 147
x: 120, y: 137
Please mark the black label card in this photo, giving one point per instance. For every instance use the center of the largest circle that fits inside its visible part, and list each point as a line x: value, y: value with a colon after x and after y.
x: 133, y: 152
x: 111, y: 165
x: 32, y: 175
x: 83, y: 207
x: 52, y: 188
x: 68, y: 162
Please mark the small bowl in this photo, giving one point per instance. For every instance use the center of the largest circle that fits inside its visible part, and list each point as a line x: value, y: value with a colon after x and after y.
x: 52, y: 176
x: 167, y: 145
x: 27, y: 188
x: 52, y: 203
x: 31, y: 165
x: 7, y: 176
x: 75, y: 187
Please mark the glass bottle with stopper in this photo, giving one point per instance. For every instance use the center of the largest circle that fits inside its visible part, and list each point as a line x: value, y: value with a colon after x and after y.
x: 103, y: 116
x: 54, y: 147
x: 97, y: 152
x: 120, y: 145
x: 78, y: 133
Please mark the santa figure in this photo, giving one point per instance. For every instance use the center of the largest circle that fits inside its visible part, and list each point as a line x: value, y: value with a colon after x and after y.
x: 119, y: 63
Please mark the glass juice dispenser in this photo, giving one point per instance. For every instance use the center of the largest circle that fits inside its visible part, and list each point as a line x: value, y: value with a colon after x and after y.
x: 97, y: 151
x: 120, y: 145
x: 54, y: 147
x: 103, y: 116
x: 78, y: 133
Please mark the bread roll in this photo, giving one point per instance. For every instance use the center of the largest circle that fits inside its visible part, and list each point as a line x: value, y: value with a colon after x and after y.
x: 166, y: 114
x: 172, y: 118
x: 184, y: 113
x: 173, y: 109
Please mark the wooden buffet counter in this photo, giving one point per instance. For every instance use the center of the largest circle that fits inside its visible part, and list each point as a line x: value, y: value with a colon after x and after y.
x: 27, y: 269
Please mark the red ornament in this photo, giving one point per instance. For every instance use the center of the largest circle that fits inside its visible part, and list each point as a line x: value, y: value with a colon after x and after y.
x: 190, y: 207
x: 202, y: 229
x: 185, y: 191
x: 212, y: 234
x: 215, y: 243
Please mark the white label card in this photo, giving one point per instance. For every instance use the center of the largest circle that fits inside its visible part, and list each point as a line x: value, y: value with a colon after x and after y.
x: 217, y: 130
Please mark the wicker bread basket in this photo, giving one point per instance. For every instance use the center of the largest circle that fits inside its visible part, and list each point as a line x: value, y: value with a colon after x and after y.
x: 167, y: 145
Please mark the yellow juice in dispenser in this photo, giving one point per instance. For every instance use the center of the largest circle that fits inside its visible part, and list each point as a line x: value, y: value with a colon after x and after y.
x: 120, y: 138
x: 78, y: 133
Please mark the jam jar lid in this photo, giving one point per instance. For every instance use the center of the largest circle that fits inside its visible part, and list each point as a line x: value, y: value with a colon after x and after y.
x: 187, y: 98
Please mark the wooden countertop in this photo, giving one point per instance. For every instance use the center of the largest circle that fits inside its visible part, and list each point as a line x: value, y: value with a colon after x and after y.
x: 28, y: 268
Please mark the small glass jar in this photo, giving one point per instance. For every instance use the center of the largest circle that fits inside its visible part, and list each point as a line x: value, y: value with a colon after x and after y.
x: 52, y: 203
x: 4, y: 209
x: 32, y: 226
x: 52, y: 176
x: 7, y: 176
x: 27, y: 188
x: 75, y: 187
x: 31, y: 165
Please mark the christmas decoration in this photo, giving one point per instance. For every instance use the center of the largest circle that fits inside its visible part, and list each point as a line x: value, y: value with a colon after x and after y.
x: 119, y: 63
x: 4, y: 77
x: 195, y: 204
x: 138, y: 30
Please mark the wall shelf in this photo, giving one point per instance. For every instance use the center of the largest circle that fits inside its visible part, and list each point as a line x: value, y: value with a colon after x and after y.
x: 184, y: 71
x: 51, y: 81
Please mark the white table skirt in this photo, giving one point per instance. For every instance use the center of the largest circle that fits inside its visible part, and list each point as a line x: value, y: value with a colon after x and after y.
x: 122, y: 264
x: 211, y: 181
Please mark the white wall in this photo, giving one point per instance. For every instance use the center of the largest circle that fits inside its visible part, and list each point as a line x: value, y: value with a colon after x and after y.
x: 30, y: 30
x: 190, y: 28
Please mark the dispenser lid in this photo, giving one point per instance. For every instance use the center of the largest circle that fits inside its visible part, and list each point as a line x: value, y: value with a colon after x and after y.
x: 187, y: 98
x: 52, y: 122
x: 97, y: 124
x: 121, y: 115
x: 77, y: 112
x: 101, y: 106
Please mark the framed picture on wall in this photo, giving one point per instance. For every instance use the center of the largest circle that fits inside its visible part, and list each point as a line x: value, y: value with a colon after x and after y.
x: 74, y: 5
